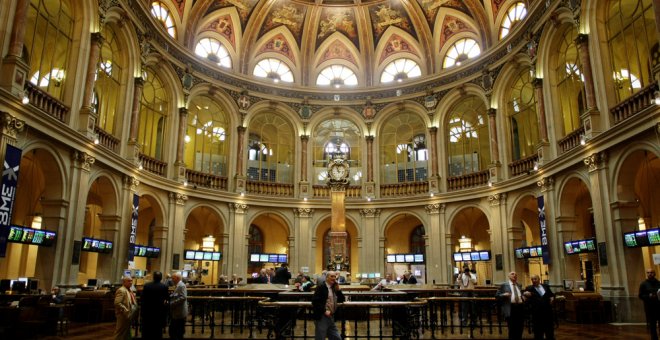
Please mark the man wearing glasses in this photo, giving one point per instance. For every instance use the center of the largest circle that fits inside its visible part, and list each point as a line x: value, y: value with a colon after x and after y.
x: 648, y: 292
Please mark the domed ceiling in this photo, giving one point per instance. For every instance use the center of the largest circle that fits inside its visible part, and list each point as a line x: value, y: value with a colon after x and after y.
x: 363, y: 36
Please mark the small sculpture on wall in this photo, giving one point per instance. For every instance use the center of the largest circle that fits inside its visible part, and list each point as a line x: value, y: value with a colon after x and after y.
x: 369, y: 112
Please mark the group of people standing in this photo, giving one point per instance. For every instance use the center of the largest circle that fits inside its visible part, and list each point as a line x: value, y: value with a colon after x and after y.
x: 156, y: 301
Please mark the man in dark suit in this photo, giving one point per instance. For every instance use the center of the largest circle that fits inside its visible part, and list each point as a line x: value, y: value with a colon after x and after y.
x: 153, y: 309
x: 282, y: 274
x: 511, y: 298
x: 649, y: 290
x: 540, y: 297
x: 324, y: 304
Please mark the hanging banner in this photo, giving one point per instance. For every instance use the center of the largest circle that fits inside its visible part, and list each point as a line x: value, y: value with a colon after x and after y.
x: 544, y: 230
x: 134, y: 222
x: 8, y: 192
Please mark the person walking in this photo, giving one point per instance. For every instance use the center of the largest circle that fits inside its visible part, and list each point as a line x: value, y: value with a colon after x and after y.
x: 466, y: 281
x: 178, y: 308
x: 540, y: 298
x: 125, y: 308
x: 324, y: 304
x: 511, y: 297
x: 153, y: 307
x: 648, y: 292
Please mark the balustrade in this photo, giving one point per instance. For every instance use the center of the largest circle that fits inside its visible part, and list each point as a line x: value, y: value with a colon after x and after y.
x: 635, y: 103
x: 153, y: 165
x: 107, y: 140
x: 571, y: 140
x: 270, y: 188
x: 404, y: 189
x: 470, y: 180
x: 523, y: 166
x: 201, y: 179
x: 47, y: 103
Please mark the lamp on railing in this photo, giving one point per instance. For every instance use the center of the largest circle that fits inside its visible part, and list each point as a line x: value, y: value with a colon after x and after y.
x: 24, y: 98
x: 96, y: 139
x: 536, y: 166
x: 656, y: 98
x: 140, y: 166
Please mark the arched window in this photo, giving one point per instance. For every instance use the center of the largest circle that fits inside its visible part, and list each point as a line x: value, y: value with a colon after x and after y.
x: 400, y: 69
x: 523, y: 122
x: 160, y: 12
x: 107, y: 87
x: 274, y: 69
x: 214, y: 51
x: 48, y: 39
x: 417, y: 242
x: 514, y: 14
x: 469, y: 145
x: 206, y: 140
x: 403, y: 149
x: 153, y: 115
x: 332, y: 136
x: 270, y: 149
x: 570, y: 81
x: 461, y: 51
x: 631, y: 36
x: 337, y: 76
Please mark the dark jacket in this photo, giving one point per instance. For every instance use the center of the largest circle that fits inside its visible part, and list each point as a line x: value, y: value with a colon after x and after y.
x: 320, y: 297
x: 648, y: 292
x: 409, y: 281
x: 282, y: 276
x: 540, y: 304
x: 153, y: 301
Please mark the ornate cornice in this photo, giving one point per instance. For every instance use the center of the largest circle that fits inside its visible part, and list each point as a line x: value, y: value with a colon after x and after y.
x: 596, y: 161
x: 370, y: 212
x: 82, y: 160
x: 303, y: 212
x: 433, y: 209
x: 11, y: 125
x: 178, y: 198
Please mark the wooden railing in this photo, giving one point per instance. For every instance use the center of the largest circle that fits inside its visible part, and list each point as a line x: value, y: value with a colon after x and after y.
x: 635, y: 103
x: 352, y: 191
x: 523, y: 166
x: 153, y: 165
x: 107, y: 140
x: 205, y: 180
x: 270, y: 188
x: 471, y: 180
x: 571, y: 140
x: 404, y: 189
x: 49, y: 104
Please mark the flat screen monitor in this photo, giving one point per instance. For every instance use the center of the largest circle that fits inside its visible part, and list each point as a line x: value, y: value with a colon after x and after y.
x: 92, y: 282
x: 254, y: 257
x: 272, y: 258
x: 216, y: 256
x: 539, y: 251
x: 5, y: 285
x: 526, y: 252
x: 568, y: 248
x: 263, y: 257
x: 466, y: 256
x: 143, y: 251
x: 591, y: 245
x: 519, y: 254
x: 391, y: 258
x: 410, y: 258
x: 484, y: 256
x: 653, y: 236
x: 642, y: 238
x: 458, y: 257
x: 583, y: 245
x: 372, y: 275
x: 630, y: 240
x: 18, y: 286
x: 533, y: 252
x: 199, y: 255
x: 189, y: 255
x: 281, y: 258
x: 400, y: 258
x: 419, y: 258
x: 184, y: 274
x: 86, y: 244
x: 207, y: 256
x: 156, y: 252
x: 474, y: 256
x: 27, y: 235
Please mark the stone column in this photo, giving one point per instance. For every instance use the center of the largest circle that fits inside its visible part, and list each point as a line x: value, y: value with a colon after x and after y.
x: 81, y: 164
x: 302, y: 255
x: 434, y: 253
x: 569, y: 268
x: 370, y: 185
x: 591, y: 119
x: 181, y: 143
x: 133, y: 152
x: 14, y: 68
x: 177, y: 234
x: 160, y: 240
x: 434, y: 179
x: 304, y: 184
x: 107, y: 265
x: 88, y: 117
x: 120, y: 254
x: 555, y: 243
x: 621, y: 277
x: 368, y: 261
x: 51, y: 261
x: 238, y: 236
x: 504, y: 238
x: 543, y: 149
x: 495, y: 165
x: 240, y: 177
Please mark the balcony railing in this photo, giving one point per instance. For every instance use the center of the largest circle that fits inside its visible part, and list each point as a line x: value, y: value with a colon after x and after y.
x: 153, y: 165
x: 523, y: 166
x: 404, y: 189
x: 471, y: 180
x: 205, y: 180
x: 270, y: 188
x: 49, y: 104
x: 352, y: 191
x: 107, y: 140
x: 571, y: 140
x: 634, y: 104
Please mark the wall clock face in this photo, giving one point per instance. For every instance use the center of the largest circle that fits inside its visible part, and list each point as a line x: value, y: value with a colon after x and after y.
x: 337, y: 172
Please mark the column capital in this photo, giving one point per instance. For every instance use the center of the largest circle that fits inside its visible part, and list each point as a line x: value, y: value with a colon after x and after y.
x: 497, y: 199
x: 10, y: 125
x: 582, y: 39
x: 370, y: 212
x: 178, y: 198
x: 491, y: 112
x: 138, y: 81
x: 131, y: 183
x: 241, y: 129
x: 433, y: 130
x: 537, y: 83
x: 183, y: 111
x: 303, y: 212
x: 82, y: 160
x: 97, y: 38
x: 596, y: 161
x: 369, y: 139
x: 304, y: 138
x: 238, y: 208
x: 433, y: 209
x: 546, y: 183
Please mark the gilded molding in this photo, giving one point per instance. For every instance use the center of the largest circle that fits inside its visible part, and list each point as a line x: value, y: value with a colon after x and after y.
x: 596, y: 161
x: 11, y: 125
x: 83, y: 160
x: 303, y: 212
x: 370, y: 212
x: 433, y: 209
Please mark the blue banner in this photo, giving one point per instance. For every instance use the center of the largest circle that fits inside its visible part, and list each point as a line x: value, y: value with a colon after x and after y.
x: 134, y: 223
x: 8, y: 192
x: 544, y: 230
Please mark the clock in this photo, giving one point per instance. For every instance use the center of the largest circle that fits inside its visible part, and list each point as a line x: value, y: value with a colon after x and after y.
x: 338, y: 170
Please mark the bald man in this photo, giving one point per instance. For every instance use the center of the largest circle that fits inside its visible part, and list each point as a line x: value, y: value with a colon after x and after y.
x: 648, y: 292
x: 540, y: 297
x: 125, y: 308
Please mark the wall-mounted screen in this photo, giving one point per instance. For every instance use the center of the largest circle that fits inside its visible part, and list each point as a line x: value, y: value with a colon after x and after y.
x: 208, y: 256
x: 144, y: 251
x: 458, y: 257
x: 405, y: 258
x: 97, y: 246
x: 281, y: 258
x: 400, y: 258
x: 268, y: 258
x: 483, y: 255
x: 200, y: 255
x: 410, y: 258
x: 272, y: 258
x: 216, y: 256
x: 580, y: 246
x: 189, y: 255
x: 642, y: 238
x: 263, y: 257
x: 254, y: 257
x: 37, y: 237
x: 391, y: 258
x: 529, y: 252
x: 419, y: 258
